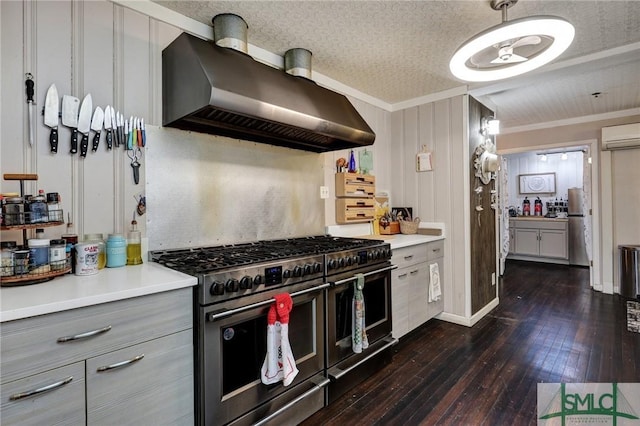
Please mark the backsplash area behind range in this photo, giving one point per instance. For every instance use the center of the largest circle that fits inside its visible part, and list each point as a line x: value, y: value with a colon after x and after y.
x: 202, y: 193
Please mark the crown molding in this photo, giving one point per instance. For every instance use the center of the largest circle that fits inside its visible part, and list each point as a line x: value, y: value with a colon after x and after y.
x: 571, y: 121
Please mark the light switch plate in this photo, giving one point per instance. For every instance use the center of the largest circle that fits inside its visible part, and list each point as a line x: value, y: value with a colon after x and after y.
x: 324, y: 192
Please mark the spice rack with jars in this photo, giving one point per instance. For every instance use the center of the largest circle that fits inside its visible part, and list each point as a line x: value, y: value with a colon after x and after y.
x: 15, y: 268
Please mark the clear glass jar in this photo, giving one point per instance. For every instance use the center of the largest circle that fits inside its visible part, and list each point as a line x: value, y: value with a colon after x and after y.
x: 38, y: 256
x: 13, y: 211
x: 58, y: 255
x: 6, y: 258
x: 53, y: 207
x: 38, y: 210
x: 102, y: 253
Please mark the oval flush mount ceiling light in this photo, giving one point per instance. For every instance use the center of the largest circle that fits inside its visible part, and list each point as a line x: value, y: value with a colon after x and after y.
x: 512, y: 47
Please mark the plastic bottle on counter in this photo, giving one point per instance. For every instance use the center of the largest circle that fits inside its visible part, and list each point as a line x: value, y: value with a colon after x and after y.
x: 134, y: 245
x: 102, y: 253
x: 116, y: 251
x: 38, y: 255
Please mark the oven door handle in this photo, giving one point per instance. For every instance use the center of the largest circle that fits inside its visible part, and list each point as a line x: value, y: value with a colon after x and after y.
x: 377, y: 271
x: 290, y: 404
x: 335, y: 373
x: 223, y: 314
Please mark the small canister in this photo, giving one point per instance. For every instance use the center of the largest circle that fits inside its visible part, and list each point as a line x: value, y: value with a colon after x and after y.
x: 6, y: 258
x: 13, y: 211
x: 38, y: 256
x: 53, y: 207
x: 98, y: 239
x: 58, y: 255
x: 72, y: 240
x: 116, y: 251
x: 21, y: 262
x: 38, y: 210
x: 87, y: 258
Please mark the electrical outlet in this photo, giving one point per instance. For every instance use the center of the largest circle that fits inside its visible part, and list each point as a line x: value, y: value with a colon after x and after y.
x: 324, y: 192
x: 493, y: 278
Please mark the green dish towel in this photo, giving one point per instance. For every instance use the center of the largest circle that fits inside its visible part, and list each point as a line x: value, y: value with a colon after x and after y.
x: 358, y: 329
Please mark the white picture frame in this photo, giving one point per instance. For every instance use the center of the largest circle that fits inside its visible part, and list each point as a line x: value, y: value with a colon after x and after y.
x: 537, y: 183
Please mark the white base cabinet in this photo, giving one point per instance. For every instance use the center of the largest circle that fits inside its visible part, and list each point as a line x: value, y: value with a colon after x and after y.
x: 543, y: 240
x: 410, y: 286
x: 124, y: 362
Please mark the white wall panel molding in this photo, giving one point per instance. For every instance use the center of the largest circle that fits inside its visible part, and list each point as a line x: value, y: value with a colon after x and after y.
x: 118, y: 103
x: 77, y: 90
x: 30, y: 63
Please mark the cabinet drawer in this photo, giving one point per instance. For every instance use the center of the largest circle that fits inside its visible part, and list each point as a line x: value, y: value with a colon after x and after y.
x: 31, y: 345
x: 353, y: 210
x: 435, y: 250
x: 355, y: 185
x: 157, y: 388
x: 541, y: 224
x: 61, y: 405
x: 411, y: 255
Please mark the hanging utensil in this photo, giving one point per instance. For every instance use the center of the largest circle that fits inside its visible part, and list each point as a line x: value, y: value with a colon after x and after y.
x: 51, y: 111
x: 134, y: 155
x: 96, y: 126
x: 84, y: 123
x: 108, y: 126
x: 30, y: 90
x: 70, y: 106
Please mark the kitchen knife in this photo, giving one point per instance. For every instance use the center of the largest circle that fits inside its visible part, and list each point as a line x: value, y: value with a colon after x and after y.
x: 30, y: 90
x: 116, y: 128
x: 70, y: 106
x: 144, y: 133
x: 51, y: 110
x: 96, y: 126
x: 84, y: 123
x: 108, y: 126
x: 121, y: 127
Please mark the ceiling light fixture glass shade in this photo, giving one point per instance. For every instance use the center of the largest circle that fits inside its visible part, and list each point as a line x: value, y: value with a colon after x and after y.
x: 553, y: 34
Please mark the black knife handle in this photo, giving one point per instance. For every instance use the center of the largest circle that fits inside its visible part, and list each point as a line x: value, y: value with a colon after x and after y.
x: 84, y: 145
x: 74, y: 141
x: 96, y: 141
x: 109, y: 139
x: 53, y: 140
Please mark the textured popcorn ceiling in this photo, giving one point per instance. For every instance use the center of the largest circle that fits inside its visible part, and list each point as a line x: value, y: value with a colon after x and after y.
x: 396, y: 51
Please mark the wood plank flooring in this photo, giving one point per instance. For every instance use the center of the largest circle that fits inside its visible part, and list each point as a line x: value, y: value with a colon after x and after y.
x: 549, y: 327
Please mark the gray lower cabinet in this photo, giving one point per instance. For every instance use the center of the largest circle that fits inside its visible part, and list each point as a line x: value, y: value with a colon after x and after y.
x: 410, y: 286
x: 124, y: 362
x: 542, y: 240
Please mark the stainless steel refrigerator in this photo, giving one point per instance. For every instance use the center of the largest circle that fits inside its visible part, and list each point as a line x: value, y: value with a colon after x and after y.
x: 577, y: 246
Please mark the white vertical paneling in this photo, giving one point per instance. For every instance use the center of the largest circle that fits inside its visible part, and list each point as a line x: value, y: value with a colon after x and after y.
x: 410, y: 145
x: 397, y: 158
x: 425, y: 207
x: 118, y: 180
x: 97, y: 53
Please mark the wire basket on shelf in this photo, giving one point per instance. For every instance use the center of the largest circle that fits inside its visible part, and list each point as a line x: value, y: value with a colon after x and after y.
x: 409, y: 227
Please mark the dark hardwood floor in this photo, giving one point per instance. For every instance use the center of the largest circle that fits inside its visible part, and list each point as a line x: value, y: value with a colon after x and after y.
x: 549, y: 327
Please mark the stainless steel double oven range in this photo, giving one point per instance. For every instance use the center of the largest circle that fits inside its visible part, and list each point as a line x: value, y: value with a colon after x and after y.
x: 236, y: 286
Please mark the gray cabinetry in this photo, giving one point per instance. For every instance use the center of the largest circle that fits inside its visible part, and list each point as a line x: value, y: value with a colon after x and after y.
x: 410, y: 286
x: 137, y: 354
x: 543, y: 240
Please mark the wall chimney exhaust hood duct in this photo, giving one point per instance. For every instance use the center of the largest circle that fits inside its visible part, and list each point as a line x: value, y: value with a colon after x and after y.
x: 217, y: 90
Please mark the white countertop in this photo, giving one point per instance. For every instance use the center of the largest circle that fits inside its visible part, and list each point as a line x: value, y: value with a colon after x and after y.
x: 395, y: 240
x: 403, y: 240
x: 542, y: 218
x: 72, y: 291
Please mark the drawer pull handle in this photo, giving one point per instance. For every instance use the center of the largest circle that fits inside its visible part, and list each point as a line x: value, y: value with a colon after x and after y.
x: 120, y: 364
x: 84, y: 335
x: 435, y: 250
x: 408, y: 257
x: 414, y: 272
x: 402, y: 275
x: 43, y: 389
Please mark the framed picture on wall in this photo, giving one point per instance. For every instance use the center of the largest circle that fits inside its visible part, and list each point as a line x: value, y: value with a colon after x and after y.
x: 537, y: 183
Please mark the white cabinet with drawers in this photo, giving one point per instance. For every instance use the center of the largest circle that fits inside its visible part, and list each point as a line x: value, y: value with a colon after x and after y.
x: 122, y: 362
x: 410, y: 286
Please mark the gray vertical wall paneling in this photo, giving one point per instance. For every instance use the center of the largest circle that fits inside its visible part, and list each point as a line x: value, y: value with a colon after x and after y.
x: 119, y: 219
x: 425, y: 208
x: 411, y: 144
x: 397, y: 158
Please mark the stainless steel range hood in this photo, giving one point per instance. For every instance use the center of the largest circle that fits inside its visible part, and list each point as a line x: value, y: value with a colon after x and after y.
x: 222, y: 91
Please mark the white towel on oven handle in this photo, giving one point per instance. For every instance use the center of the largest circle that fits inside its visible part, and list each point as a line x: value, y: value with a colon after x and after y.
x: 434, y: 283
x: 359, y: 340
x: 279, y: 363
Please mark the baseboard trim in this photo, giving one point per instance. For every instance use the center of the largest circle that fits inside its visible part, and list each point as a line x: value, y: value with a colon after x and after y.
x: 469, y: 321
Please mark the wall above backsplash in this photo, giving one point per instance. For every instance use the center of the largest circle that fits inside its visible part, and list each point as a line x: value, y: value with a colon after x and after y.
x: 569, y: 174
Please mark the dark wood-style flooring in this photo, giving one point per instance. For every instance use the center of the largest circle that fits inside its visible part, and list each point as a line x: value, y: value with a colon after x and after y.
x: 549, y: 327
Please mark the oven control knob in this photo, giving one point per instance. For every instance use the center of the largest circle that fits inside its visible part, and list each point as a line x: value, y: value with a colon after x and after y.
x: 245, y: 282
x: 297, y: 271
x: 355, y: 260
x: 370, y: 255
x: 349, y: 260
x: 387, y: 252
x: 232, y: 285
x: 317, y: 267
x: 341, y: 262
x: 308, y: 269
x: 332, y: 264
x: 258, y: 279
x: 378, y: 254
x: 217, y: 288
x: 286, y: 273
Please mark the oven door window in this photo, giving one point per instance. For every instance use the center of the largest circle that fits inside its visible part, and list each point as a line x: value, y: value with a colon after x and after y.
x: 375, y: 304
x: 244, y: 345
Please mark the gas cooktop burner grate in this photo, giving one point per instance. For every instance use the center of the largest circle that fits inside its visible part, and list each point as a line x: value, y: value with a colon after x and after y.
x: 208, y: 259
